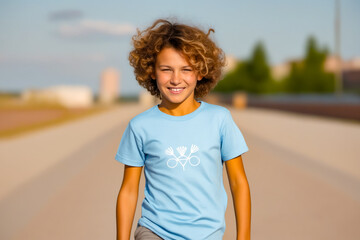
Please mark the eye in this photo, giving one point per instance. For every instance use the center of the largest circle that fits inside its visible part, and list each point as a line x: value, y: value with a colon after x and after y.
x: 165, y: 69
x: 187, y: 69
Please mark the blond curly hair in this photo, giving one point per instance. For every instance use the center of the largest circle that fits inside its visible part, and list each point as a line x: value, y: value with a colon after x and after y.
x: 202, y: 53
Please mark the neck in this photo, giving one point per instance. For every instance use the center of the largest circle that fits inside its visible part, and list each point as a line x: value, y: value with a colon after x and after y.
x: 179, y: 109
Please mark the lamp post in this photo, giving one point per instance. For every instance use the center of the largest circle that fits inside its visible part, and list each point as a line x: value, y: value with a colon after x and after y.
x: 338, y: 84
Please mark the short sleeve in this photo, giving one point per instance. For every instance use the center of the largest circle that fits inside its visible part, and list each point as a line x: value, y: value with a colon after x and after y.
x: 232, y: 141
x: 130, y: 149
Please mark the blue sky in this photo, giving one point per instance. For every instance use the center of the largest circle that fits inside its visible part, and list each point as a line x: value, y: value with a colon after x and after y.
x: 46, y: 43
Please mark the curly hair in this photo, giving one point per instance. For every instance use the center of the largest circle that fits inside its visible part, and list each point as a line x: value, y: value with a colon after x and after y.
x: 202, y: 53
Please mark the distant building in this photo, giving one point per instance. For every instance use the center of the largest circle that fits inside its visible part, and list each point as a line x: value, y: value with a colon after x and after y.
x: 280, y: 71
x: 332, y: 65
x: 350, y: 71
x: 147, y: 100
x: 109, y: 86
x: 351, y: 79
x: 231, y: 63
x: 349, y: 68
x: 67, y: 96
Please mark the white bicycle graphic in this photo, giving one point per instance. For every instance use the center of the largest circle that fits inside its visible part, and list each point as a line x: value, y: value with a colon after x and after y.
x: 182, y: 159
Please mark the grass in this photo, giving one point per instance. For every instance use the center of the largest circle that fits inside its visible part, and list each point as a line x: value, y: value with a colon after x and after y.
x: 11, y: 103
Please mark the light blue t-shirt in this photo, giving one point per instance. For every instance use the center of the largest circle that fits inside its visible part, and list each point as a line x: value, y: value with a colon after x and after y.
x: 183, y: 165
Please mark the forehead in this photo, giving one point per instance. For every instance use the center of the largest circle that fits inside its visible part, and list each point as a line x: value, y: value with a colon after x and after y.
x: 171, y: 56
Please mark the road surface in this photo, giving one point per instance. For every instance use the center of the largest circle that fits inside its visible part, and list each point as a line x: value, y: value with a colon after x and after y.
x: 303, y: 173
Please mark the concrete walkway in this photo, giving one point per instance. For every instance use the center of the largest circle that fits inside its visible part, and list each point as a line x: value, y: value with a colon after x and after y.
x: 34, y: 167
x: 298, y: 195
x: 328, y: 148
x: 299, y: 191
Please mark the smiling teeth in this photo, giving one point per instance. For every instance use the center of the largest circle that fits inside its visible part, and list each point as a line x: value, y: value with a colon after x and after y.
x: 176, y: 89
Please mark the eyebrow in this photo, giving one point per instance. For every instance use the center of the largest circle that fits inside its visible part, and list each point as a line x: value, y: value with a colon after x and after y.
x: 170, y: 66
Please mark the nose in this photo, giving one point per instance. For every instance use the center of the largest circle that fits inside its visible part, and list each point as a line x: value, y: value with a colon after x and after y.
x: 176, y: 78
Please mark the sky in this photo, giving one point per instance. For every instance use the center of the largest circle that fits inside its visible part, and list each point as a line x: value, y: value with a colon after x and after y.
x: 71, y: 42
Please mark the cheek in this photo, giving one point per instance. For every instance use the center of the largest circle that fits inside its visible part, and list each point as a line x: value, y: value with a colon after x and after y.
x: 191, y: 80
x: 163, y: 76
x: 161, y: 83
x: 161, y: 79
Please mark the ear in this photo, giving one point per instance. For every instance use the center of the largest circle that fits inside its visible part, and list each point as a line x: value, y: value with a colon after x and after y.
x: 153, y: 76
x: 199, y: 77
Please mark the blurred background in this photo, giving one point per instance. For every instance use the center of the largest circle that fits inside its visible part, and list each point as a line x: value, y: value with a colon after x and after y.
x: 67, y: 92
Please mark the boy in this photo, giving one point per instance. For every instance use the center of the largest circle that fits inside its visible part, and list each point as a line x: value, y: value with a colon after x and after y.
x: 182, y: 143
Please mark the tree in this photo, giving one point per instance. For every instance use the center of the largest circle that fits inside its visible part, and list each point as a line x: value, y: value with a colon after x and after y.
x: 251, y: 76
x: 258, y: 70
x: 309, y: 75
x: 235, y: 80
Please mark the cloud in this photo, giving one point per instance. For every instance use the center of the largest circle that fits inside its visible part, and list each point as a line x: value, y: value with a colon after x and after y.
x: 68, y: 14
x: 86, y: 28
x: 53, y: 59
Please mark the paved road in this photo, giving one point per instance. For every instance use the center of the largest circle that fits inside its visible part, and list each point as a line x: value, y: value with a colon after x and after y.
x: 298, y: 190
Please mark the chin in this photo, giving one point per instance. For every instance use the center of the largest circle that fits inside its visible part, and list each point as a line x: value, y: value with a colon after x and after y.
x: 175, y: 100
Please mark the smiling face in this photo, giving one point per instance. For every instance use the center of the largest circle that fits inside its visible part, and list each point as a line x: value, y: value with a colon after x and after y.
x: 175, y: 78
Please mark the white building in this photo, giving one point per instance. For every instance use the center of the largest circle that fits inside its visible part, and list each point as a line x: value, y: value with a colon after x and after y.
x: 280, y: 71
x: 230, y: 63
x: 67, y: 96
x: 147, y: 100
x: 109, y: 86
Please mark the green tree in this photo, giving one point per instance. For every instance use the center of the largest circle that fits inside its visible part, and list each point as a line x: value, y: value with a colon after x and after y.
x: 252, y: 75
x: 309, y: 76
x: 258, y: 70
x: 235, y: 80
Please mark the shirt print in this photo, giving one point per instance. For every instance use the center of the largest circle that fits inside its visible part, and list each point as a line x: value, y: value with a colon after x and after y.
x: 182, y: 158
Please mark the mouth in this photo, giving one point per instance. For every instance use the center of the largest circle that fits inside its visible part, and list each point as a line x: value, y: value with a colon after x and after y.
x: 176, y: 90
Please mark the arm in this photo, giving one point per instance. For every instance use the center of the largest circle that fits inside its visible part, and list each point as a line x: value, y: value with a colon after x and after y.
x: 126, y: 202
x: 241, y: 197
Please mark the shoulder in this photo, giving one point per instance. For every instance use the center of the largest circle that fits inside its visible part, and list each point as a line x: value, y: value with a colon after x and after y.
x: 220, y: 114
x: 216, y: 110
x: 142, y: 118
